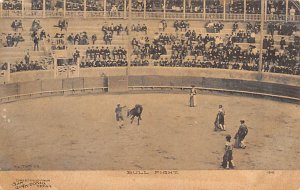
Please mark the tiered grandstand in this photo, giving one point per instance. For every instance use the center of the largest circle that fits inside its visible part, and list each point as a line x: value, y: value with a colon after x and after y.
x: 72, y: 35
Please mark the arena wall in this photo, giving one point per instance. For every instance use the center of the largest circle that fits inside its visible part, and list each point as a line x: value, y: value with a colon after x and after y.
x: 41, y: 81
x: 164, y: 71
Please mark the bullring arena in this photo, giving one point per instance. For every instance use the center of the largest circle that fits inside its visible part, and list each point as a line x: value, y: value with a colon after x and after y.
x: 65, y: 65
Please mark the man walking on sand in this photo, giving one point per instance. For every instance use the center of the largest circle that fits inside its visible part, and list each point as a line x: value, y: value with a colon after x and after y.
x: 119, y: 115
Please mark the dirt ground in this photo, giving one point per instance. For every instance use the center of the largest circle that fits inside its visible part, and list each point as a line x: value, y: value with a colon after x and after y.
x: 80, y: 133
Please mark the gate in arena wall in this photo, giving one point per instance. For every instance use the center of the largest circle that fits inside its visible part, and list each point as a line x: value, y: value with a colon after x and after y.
x: 118, y: 84
x: 2, y: 76
x: 66, y: 68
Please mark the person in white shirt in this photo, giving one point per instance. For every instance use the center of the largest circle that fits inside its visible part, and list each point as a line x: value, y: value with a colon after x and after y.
x: 292, y: 14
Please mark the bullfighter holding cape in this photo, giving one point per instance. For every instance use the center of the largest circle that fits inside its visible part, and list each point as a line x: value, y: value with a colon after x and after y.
x: 240, y: 135
x: 220, y: 119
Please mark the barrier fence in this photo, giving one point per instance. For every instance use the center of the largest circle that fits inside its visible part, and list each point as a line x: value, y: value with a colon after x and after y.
x: 76, y: 86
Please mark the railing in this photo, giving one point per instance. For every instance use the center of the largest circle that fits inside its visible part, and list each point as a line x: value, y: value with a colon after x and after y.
x: 174, y: 15
x: 137, y: 15
x: 253, y: 17
x: 196, y: 16
x: 33, y: 13
x: 169, y: 14
x: 118, y: 14
x: 254, y: 94
x: 275, y: 17
x: 95, y: 14
x: 13, y: 98
x: 74, y: 14
x: 11, y: 13
x: 50, y: 13
x: 214, y: 16
x: 234, y: 17
x: 155, y: 15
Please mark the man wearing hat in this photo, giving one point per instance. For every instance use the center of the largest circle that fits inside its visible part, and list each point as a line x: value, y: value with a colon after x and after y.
x: 240, y: 135
x: 119, y: 115
x: 193, y: 97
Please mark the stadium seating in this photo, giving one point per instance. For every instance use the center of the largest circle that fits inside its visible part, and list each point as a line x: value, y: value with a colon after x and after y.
x: 81, y: 33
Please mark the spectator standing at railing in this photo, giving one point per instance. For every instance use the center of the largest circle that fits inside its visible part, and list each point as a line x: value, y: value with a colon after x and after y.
x: 36, y: 40
x: 292, y: 13
x: 272, y: 11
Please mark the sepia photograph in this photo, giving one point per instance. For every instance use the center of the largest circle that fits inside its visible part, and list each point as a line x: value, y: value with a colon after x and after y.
x: 149, y: 94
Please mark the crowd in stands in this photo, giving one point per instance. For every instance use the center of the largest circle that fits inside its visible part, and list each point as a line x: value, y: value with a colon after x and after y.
x: 218, y: 52
x: 214, y: 27
x: 62, y: 24
x: 31, y: 66
x: 78, y: 39
x: 74, y: 5
x: 155, y: 5
x: 146, y: 49
x: 109, y: 31
x: 27, y: 65
x: 36, y: 4
x: 16, y: 24
x: 138, y: 5
x: 139, y: 62
x: 236, y: 7
x: 182, y: 25
x: 114, y: 7
x: 195, y: 6
x: 214, y: 6
x: 252, y: 7
x: 180, y: 49
x: 52, y: 5
x: 282, y: 28
x: 94, y: 5
x: 276, y: 7
x: 103, y: 63
x: 13, y: 40
x: 12, y: 5
x: 139, y: 28
x: 106, y: 53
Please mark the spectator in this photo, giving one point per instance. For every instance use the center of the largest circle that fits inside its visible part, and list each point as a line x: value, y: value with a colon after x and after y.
x: 292, y: 14
x: 36, y: 40
x: 27, y: 58
x: 94, y: 38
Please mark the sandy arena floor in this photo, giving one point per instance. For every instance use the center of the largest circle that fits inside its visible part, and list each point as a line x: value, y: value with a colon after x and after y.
x: 80, y: 133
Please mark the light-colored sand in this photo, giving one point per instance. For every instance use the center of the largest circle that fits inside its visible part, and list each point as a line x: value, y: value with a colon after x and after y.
x: 80, y: 133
